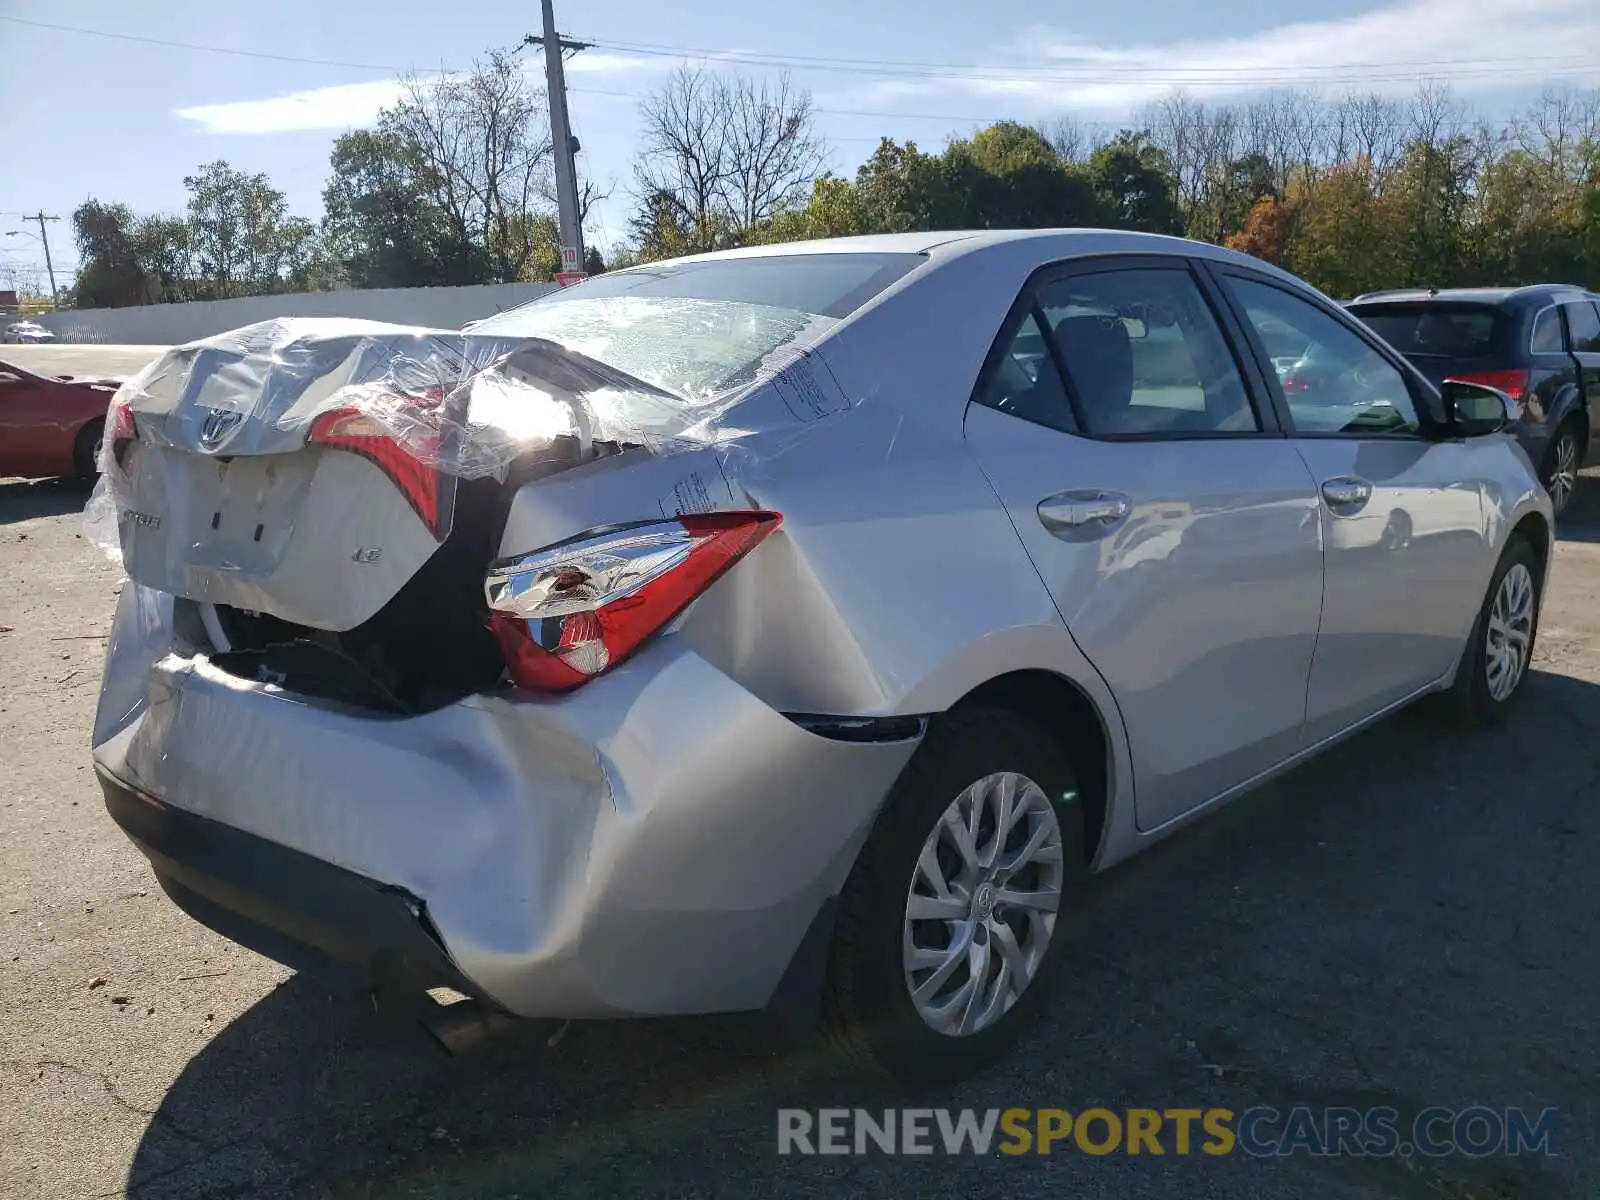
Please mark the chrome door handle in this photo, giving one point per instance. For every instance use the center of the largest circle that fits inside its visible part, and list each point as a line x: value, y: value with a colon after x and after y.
x: 1346, y: 493
x: 1079, y: 510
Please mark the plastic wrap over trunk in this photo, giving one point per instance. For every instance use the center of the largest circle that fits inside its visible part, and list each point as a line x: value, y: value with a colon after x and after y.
x: 309, y: 467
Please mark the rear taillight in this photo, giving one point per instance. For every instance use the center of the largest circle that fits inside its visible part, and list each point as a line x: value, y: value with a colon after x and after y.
x: 120, y: 431
x: 564, y: 615
x: 424, y: 487
x: 1512, y: 383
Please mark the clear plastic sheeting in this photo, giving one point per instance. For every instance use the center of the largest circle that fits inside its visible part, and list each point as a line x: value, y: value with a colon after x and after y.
x: 465, y: 405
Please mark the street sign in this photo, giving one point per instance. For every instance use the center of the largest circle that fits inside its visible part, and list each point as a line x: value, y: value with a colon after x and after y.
x: 569, y: 258
x: 567, y: 278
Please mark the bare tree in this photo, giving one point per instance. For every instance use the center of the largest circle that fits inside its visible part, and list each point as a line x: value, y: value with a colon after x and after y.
x: 1376, y: 126
x: 1070, y: 137
x: 773, y: 154
x: 684, y: 155
x: 725, y: 154
x: 482, y: 142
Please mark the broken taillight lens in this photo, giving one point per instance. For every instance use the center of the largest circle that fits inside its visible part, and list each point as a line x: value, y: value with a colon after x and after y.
x: 569, y: 613
x: 425, y: 487
x: 120, y: 431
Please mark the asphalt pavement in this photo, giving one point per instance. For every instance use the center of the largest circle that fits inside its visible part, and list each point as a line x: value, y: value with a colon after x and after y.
x: 1412, y: 920
x: 79, y: 359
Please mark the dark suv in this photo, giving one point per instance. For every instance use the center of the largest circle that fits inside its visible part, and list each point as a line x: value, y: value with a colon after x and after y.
x: 1540, y: 344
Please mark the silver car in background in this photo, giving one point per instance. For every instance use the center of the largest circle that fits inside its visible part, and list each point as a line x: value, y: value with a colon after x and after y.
x: 794, y: 628
x: 28, y: 333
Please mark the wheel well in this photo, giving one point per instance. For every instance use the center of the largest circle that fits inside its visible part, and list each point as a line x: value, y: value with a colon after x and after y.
x: 1062, y: 709
x: 1535, y: 530
x: 1580, y: 418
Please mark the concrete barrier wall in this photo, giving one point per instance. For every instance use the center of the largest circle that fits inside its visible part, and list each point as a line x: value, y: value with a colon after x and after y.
x: 172, y: 324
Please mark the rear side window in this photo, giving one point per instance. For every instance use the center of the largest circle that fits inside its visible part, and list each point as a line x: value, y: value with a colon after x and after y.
x: 1144, y: 354
x: 1546, y: 332
x: 1583, y: 324
x: 1024, y: 382
x: 1436, y: 330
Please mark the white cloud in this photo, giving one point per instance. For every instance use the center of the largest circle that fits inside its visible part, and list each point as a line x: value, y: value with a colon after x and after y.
x: 351, y: 105
x: 345, y: 106
x: 1473, y: 44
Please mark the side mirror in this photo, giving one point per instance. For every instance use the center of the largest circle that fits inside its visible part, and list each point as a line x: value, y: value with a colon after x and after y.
x: 1474, y: 410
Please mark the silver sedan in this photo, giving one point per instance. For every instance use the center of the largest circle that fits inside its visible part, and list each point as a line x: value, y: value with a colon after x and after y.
x: 794, y: 628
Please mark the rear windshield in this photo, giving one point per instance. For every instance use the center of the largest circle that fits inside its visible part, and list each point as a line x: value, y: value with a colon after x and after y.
x: 700, y: 328
x: 1436, y: 330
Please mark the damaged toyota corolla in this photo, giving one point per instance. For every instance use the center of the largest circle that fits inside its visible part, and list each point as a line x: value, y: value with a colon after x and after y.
x: 793, y: 628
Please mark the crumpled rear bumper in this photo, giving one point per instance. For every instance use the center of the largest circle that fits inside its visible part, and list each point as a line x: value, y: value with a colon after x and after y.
x: 658, y: 842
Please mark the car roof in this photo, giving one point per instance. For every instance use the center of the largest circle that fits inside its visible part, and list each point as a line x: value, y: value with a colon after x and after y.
x: 1052, y: 245
x: 1509, y: 296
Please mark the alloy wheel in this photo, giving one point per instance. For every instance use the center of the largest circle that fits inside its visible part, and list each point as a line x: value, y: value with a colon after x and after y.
x: 1509, y: 633
x: 983, y: 903
x: 1563, y: 478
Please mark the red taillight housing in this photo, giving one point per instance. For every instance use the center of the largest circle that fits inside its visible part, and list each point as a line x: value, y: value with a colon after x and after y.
x: 564, y: 615
x: 1513, y: 383
x: 427, y: 489
x: 120, y: 431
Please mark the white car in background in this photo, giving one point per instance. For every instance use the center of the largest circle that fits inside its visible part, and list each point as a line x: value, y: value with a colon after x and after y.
x: 27, y: 332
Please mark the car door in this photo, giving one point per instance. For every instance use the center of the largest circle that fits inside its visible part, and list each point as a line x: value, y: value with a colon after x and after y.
x: 1406, y: 552
x: 1175, y: 529
x: 20, y: 449
x: 1583, y: 331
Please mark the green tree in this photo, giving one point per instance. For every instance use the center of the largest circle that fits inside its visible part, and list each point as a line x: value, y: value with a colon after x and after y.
x: 1134, y: 181
x: 1009, y: 176
x: 243, y: 240
x: 381, y: 223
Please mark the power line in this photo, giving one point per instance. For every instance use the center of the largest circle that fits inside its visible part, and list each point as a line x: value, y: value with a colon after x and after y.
x: 1531, y: 66
x: 1133, y: 69
x: 175, y: 45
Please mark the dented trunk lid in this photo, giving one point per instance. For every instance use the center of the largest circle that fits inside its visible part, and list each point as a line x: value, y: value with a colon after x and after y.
x: 308, y: 468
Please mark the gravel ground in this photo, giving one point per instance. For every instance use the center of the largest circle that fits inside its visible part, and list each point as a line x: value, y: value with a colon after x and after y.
x: 1411, y: 920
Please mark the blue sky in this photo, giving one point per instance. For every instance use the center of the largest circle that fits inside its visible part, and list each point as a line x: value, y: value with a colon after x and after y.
x: 125, y: 120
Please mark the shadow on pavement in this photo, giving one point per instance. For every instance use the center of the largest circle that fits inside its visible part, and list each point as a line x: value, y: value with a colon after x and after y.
x: 1408, y: 921
x: 1581, y: 521
x: 26, y: 499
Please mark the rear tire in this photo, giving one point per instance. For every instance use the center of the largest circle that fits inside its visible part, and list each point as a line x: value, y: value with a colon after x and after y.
x: 86, y: 451
x: 990, y: 938
x: 1503, y: 639
x: 1562, y: 459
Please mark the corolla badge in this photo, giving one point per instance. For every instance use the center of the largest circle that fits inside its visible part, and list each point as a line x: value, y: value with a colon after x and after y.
x: 218, y: 424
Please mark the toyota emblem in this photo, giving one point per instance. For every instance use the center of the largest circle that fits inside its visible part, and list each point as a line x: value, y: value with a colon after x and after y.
x: 219, y: 423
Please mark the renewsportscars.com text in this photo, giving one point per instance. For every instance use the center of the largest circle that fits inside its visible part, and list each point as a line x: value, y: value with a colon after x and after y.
x: 1261, y: 1131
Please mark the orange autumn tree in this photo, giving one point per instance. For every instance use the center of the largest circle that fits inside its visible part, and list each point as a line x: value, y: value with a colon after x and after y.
x: 1266, y: 232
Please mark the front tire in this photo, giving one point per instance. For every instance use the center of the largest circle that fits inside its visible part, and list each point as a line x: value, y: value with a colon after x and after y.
x: 957, y: 910
x: 86, y: 452
x: 1494, y: 663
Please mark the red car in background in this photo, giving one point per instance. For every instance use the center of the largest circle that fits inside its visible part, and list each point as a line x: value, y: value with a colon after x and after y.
x: 51, y: 426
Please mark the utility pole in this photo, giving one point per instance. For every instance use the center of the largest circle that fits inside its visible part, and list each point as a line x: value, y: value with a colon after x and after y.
x: 41, y: 217
x: 562, y: 143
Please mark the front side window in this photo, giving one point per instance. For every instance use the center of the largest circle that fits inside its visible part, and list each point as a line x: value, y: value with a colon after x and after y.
x: 1333, y: 381
x: 1144, y: 355
x: 1583, y: 325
